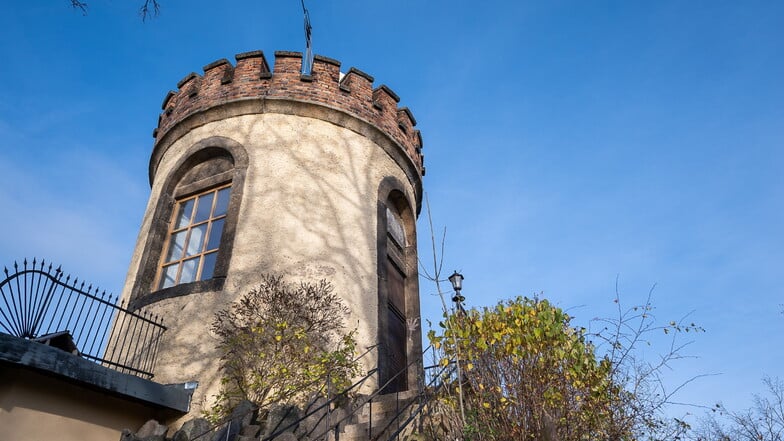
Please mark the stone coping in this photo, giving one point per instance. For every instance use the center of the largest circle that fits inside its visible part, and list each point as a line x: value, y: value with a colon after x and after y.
x: 23, y: 353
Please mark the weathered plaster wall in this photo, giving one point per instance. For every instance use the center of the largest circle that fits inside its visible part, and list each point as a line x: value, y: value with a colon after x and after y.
x: 35, y: 407
x: 308, y: 211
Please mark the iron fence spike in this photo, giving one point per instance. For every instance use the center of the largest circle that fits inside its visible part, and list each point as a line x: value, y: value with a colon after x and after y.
x: 84, y: 312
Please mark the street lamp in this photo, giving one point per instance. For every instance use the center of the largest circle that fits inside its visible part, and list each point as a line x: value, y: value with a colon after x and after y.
x: 456, y: 279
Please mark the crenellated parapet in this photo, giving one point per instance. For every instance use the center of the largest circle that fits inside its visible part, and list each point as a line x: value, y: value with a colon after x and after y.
x: 251, y: 79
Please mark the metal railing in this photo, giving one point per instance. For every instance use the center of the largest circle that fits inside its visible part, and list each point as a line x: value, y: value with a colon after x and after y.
x: 407, y: 409
x: 36, y: 303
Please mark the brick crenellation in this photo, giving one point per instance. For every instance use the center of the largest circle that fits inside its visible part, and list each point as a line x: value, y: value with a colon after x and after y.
x: 252, y: 78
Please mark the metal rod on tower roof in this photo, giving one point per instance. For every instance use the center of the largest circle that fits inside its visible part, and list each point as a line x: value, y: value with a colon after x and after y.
x: 307, y: 60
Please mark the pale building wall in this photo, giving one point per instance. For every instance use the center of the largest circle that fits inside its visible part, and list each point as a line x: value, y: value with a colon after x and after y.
x: 308, y: 211
x: 35, y: 407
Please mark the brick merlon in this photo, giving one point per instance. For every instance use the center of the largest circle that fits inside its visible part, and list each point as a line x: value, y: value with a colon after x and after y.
x: 326, y: 60
x: 169, y: 96
x: 362, y: 74
x: 250, y: 54
x: 389, y: 92
x: 187, y: 78
x: 410, y: 115
x: 215, y: 64
x: 353, y: 95
x: 288, y: 54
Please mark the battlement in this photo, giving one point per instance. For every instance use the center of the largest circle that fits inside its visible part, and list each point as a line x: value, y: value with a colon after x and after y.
x: 252, y: 79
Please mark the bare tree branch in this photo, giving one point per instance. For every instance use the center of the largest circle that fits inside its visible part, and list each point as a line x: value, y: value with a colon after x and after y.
x: 79, y: 5
x: 148, y: 9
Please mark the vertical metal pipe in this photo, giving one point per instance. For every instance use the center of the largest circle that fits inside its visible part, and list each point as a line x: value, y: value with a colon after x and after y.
x: 81, y: 310
x: 128, y: 351
x: 121, y: 332
x: 115, y: 318
x: 102, y: 325
x: 35, y: 288
x: 57, y: 307
x: 26, y: 304
x: 145, y: 351
x: 18, y: 308
x: 82, y: 337
x: 10, y: 320
x: 44, y: 298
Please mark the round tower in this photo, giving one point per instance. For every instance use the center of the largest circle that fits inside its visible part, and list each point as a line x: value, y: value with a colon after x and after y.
x: 257, y: 170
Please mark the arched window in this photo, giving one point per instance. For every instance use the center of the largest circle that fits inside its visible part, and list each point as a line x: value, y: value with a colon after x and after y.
x: 190, y: 239
x: 396, y: 337
x: 397, y: 285
x: 194, y: 234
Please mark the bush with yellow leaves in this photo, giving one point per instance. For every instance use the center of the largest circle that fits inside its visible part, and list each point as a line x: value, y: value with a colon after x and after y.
x: 527, y: 374
x: 281, y: 344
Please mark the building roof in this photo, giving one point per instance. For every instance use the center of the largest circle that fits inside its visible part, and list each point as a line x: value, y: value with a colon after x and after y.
x: 28, y: 354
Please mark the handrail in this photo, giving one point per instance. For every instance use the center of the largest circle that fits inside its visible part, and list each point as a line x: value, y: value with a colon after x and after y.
x: 370, y: 397
x: 280, y: 431
x: 422, y: 405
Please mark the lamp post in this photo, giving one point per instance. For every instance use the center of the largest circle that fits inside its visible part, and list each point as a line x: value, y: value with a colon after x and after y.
x: 456, y: 279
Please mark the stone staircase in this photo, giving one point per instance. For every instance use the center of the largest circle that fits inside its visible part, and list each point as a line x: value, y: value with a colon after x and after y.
x: 376, y: 419
x: 372, y: 420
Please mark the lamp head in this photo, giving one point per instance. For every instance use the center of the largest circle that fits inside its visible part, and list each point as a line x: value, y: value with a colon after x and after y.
x: 456, y: 279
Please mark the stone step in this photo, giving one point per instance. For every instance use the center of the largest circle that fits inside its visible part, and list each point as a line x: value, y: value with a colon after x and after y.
x: 376, y: 415
x: 361, y: 431
x: 383, y: 407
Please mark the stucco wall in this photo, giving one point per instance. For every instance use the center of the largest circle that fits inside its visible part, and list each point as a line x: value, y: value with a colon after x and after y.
x: 308, y: 211
x: 35, y: 407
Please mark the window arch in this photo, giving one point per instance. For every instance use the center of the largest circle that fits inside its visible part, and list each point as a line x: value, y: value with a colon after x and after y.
x: 189, y: 244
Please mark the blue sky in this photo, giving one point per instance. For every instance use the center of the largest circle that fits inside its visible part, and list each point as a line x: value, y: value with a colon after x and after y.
x: 566, y: 144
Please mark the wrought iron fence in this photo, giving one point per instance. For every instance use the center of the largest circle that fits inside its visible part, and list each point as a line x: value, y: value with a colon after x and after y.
x: 37, y: 303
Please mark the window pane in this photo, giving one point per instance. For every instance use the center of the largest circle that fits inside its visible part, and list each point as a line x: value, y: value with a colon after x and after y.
x: 395, y: 228
x: 192, y: 247
x: 215, y: 235
x: 196, y: 242
x: 223, y: 202
x: 176, y: 245
x: 169, y: 276
x: 188, y: 273
x: 203, y: 208
x: 184, y: 216
x: 208, y: 265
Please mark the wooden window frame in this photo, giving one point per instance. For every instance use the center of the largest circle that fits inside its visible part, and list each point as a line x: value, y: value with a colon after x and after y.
x: 175, y: 187
x: 188, y: 228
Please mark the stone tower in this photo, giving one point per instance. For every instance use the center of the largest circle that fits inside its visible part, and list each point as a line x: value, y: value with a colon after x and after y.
x: 257, y: 170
